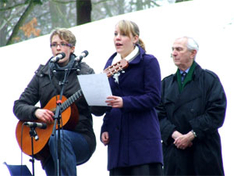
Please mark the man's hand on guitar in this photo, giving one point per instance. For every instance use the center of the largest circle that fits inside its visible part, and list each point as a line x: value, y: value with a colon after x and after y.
x: 44, y: 115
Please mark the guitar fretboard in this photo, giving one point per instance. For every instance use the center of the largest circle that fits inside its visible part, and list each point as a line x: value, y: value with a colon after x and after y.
x: 71, y: 100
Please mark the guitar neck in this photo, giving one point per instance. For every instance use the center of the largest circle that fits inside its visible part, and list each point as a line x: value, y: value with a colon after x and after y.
x: 118, y: 66
x: 71, y: 100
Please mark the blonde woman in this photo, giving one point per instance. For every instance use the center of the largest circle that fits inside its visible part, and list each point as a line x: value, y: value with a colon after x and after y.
x: 131, y: 127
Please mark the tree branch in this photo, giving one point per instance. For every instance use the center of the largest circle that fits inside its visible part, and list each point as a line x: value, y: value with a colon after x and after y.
x: 21, y: 22
x: 12, y: 7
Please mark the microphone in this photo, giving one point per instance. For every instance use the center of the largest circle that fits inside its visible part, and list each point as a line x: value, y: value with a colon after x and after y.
x: 82, y: 55
x: 36, y: 124
x: 58, y: 57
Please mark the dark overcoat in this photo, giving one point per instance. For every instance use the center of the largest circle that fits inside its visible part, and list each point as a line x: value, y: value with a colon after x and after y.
x: 201, y: 107
x: 134, y: 129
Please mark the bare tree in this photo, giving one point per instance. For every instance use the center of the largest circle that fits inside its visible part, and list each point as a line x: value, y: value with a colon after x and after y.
x: 22, y: 19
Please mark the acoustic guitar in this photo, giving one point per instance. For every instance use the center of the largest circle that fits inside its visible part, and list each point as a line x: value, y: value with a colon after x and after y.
x: 69, y: 117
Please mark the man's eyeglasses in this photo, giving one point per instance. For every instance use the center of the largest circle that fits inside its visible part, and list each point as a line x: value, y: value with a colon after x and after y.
x: 61, y: 45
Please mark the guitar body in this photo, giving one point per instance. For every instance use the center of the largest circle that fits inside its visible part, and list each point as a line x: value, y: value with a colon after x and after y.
x: 69, y: 119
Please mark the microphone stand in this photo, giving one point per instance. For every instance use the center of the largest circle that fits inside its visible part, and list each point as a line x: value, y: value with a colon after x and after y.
x: 57, y: 121
x: 57, y: 118
x: 33, y: 134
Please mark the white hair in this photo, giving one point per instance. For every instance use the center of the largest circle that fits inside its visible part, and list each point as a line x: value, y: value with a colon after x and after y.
x: 192, y: 44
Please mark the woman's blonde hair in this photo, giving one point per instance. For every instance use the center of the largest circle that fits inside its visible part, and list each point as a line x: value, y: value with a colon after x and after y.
x: 129, y: 27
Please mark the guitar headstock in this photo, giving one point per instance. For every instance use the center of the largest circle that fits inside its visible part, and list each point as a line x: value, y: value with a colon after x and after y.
x: 118, y: 66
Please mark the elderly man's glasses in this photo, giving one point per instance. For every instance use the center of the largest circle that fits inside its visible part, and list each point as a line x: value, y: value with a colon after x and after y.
x: 61, y: 45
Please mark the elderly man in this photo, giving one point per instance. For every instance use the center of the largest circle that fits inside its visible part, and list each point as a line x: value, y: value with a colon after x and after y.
x: 193, y: 106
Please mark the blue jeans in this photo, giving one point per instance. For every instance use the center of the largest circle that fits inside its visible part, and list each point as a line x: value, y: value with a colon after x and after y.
x: 74, y: 151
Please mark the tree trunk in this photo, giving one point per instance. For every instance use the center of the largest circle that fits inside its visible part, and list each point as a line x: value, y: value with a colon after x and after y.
x: 21, y: 22
x: 83, y: 11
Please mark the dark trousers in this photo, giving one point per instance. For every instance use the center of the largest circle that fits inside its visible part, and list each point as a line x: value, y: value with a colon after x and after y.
x: 153, y: 169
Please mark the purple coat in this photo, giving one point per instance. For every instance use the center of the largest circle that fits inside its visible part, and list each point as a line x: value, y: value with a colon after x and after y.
x: 134, y: 129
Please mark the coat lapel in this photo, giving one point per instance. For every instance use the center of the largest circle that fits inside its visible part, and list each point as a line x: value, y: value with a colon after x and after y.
x: 190, y: 92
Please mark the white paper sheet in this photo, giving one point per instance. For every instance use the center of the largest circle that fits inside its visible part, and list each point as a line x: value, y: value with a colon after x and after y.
x: 96, y: 88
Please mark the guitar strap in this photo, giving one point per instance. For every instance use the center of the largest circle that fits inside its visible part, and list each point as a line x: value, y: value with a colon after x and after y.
x: 56, y: 89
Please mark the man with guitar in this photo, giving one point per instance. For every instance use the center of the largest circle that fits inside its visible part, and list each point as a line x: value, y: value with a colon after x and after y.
x: 77, y: 136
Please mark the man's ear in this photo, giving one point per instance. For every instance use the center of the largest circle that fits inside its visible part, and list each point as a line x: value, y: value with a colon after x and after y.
x: 73, y: 49
x: 194, y: 52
